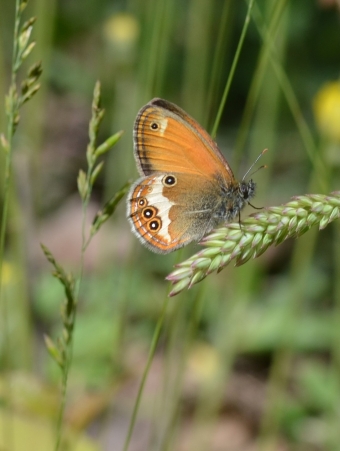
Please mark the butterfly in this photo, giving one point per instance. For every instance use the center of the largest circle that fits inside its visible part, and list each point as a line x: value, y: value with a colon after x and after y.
x: 186, y: 187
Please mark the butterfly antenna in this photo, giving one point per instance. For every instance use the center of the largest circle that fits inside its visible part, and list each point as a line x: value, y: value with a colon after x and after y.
x: 251, y: 167
x: 264, y: 166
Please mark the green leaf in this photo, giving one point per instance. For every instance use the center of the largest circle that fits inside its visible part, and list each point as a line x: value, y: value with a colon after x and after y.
x: 28, y: 24
x: 66, y: 280
x: 53, y: 351
x: 28, y: 50
x: 96, y: 118
x: 110, y: 142
x: 109, y: 208
x: 35, y: 71
x: 4, y: 142
x: 29, y: 94
x: 24, y: 38
x: 96, y: 172
x: 23, y: 5
x: 82, y: 184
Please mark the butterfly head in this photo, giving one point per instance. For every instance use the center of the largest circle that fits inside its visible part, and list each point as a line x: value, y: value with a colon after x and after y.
x: 247, y: 190
x: 234, y: 198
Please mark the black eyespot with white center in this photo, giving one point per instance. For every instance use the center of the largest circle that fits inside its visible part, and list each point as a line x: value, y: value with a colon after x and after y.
x: 141, y: 202
x: 169, y: 180
x: 148, y: 213
x: 155, y: 225
x: 154, y: 126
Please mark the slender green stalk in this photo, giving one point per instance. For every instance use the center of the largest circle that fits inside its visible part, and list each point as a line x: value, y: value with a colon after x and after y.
x: 152, y: 350
x: 15, y: 99
x: 85, y: 185
x: 283, y: 356
x: 334, y: 413
x: 11, y: 122
x: 164, y: 40
x: 69, y: 348
x: 61, y: 411
x: 256, y: 84
x: 232, y: 70
x: 21, y: 49
x: 154, y: 36
x: 288, y: 91
x: 183, y: 342
x: 62, y: 351
x: 219, y: 54
x: 198, y: 47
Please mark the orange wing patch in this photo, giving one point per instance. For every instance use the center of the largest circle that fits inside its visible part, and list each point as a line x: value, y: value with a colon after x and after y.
x: 167, y: 139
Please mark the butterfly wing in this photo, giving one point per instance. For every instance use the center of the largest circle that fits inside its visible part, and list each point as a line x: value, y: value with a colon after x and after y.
x: 167, y: 139
x: 166, y: 218
x: 179, y: 198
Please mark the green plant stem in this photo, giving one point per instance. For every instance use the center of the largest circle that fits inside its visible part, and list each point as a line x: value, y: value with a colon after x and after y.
x: 151, y: 68
x: 69, y: 352
x: 256, y: 85
x: 232, y: 70
x: 4, y: 218
x: 10, y: 133
x: 62, y: 404
x: 196, y: 62
x: 287, y: 89
x: 152, y: 350
x: 173, y: 408
x: 219, y: 53
x: 334, y: 413
x: 7, y: 426
x: 283, y: 357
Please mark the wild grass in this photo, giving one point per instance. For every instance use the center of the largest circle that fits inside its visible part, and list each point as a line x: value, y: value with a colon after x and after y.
x: 15, y: 99
x: 252, y: 237
x: 129, y: 355
x: 61, y: 350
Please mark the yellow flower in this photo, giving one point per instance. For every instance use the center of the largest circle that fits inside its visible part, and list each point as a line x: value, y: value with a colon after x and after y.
x: 204, y: 363
x: 121, y: 29
x: 326, y: 107
x: 7, y: 273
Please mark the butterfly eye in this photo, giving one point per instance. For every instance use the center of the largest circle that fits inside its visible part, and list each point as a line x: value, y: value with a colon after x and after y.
x: 155, y: 225
x: 149, y: 212
x: 142, y: 202
x: 169, y: 180
x: 154, y: 126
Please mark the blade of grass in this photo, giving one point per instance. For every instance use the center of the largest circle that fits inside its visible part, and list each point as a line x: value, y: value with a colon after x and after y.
x: 198, y: 45
x: 151, y: 354
x: 15, y: 98
x: 232, y: 70
x: 182, y: 329
x: 62, y: 351
x: 287, y: 89
x: 282, y: 360
x: 334, y: 415
x: 220, y: 51
x: 9, y: 138
x: 255, y: 88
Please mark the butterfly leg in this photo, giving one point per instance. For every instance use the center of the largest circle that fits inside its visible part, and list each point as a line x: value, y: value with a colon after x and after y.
x: 256, y: 208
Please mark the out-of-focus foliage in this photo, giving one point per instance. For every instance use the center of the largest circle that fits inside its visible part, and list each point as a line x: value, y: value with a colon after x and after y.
x: 250, y: 355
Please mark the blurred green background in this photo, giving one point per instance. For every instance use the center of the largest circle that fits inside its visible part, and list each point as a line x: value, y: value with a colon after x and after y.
x: 249, y: 359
